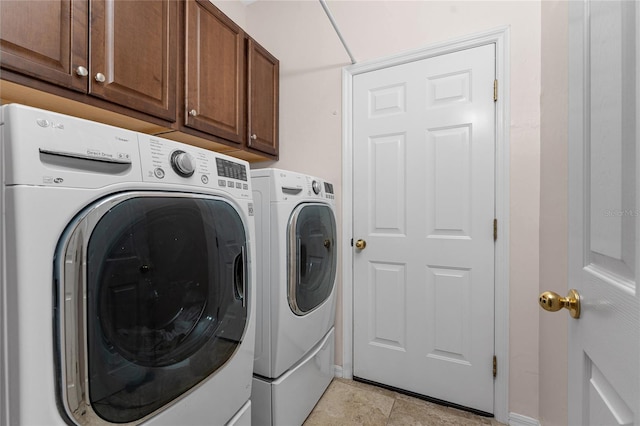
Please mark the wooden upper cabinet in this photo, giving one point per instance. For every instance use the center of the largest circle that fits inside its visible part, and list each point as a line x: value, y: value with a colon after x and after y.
x: 214, y: 73
x: 131, y: 60
x: 46, y: 40
x: 180, y: 64
x: 134, y: 54
x: 263, y: 75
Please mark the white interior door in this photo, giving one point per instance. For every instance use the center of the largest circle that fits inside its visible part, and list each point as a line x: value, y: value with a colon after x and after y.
x: 423, y: 184
x: 603, y: 213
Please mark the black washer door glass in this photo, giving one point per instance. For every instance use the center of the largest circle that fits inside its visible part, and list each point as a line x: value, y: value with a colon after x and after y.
x: 313, y: 244
x: 165, y: 308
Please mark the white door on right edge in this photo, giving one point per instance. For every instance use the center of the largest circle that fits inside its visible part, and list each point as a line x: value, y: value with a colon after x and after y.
x: 604, y: 232
x: 423, y: 173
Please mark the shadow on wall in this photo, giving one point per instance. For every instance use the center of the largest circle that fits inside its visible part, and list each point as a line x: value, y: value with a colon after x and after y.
x: 303, y: 71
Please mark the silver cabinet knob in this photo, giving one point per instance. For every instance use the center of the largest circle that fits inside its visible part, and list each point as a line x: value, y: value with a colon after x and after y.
x: 82, y: 71
x: 100, y: 78
x: 254, y: 136
x: 193, y: 113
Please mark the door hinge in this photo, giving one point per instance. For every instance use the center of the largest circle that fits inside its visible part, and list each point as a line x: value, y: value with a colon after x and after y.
x: 495, y: 366
x: 495, y: 229
x: 495, y: 90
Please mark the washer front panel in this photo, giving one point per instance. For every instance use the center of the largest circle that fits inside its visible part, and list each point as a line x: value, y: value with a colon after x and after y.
x: 153, y: 286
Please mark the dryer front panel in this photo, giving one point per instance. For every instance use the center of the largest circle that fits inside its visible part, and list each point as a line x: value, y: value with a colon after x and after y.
x: 312, y: 256
x: 154, y: 291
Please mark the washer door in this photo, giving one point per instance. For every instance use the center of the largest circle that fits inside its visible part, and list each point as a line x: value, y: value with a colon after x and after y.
x: 160, y: 282
x: 312, y: 256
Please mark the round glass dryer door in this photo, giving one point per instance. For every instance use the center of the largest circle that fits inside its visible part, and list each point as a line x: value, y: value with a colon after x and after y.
x: 165, y: 304
x: 312, y: 256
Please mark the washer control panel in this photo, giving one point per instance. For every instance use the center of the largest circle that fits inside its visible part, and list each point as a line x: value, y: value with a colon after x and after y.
x: 167, y: 161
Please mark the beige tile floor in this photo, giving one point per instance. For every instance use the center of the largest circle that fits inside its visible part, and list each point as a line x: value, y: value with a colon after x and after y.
x: 346, y: 402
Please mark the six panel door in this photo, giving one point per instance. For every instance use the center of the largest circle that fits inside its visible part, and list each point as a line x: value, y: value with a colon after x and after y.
x: 604, y: 232
x: 424, y: 148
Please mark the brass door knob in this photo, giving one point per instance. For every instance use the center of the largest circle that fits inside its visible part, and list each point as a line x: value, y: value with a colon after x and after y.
x: 361, y: 244
x: 553, y: 302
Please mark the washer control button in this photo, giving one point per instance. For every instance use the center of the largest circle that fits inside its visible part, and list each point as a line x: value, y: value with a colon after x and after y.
x: 204, y: 179
x: 182, y: 163
x: 315, y: 185
x: 159, y: 173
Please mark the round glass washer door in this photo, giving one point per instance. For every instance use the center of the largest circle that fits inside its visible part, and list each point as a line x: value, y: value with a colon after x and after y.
x: 165, y: 306
x: 312, y: 256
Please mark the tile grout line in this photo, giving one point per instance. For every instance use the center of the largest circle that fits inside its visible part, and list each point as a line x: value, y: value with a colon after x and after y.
x: 395, y: 399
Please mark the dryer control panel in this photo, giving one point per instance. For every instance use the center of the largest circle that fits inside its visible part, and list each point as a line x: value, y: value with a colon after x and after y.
x: 288, y: 185
x: 319, y: 188
x: 173, y: 162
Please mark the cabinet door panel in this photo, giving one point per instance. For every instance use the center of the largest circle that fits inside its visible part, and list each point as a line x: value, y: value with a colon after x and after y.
x: 214, y: 72
x: 45, y: 39
x: 264, y: 75
x: 134, y: 48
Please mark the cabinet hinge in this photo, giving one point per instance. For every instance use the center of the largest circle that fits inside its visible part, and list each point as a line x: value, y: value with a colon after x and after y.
x: 495, y: 90
x: 495, y: 229
x: 495, y: 366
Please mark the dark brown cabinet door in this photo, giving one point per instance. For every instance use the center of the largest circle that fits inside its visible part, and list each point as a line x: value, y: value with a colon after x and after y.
x: 46, y: 40
x: 264, y: 73
x: 134, y: 54
x: 214, y: 73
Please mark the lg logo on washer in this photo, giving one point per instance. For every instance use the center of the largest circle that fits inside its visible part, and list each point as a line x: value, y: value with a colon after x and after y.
x: 46, y: 123
x: 51, y: 179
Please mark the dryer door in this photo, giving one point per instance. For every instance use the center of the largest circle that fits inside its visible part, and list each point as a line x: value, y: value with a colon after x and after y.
x: 155, y: 284
x: 312, y: 256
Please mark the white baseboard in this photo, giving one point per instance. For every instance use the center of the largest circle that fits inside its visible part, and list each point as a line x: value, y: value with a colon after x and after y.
x: 337, y: 371
x: 520, y: 420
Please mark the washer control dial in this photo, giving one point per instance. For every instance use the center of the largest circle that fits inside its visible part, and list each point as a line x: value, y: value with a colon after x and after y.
x: 182, y: 163
x: 315, y: 185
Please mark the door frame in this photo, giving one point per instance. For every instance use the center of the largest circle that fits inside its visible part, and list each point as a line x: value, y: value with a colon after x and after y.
x: 499, y: 37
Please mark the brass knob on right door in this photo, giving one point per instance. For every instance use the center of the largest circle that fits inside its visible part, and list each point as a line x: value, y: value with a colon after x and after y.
x: 361, y: 244
x: 553, y: 302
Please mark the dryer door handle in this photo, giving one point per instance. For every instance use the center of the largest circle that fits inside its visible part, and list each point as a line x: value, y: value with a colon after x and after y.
x: 240, y: 277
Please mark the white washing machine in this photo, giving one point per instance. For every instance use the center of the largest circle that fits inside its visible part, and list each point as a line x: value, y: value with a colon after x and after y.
x: 127, y: 277
x: 296, y: 248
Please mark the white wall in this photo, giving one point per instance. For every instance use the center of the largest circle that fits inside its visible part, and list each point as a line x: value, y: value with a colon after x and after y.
x: 311, y: 62
x: 235, y: 10
x: 553, y: 210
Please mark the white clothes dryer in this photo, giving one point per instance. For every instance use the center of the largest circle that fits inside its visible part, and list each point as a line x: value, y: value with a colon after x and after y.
x: 127, y: 277
x: 296, y: 247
